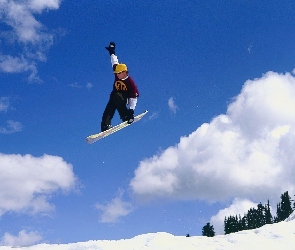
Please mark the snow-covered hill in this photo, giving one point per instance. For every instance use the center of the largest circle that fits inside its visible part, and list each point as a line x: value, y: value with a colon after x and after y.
x: 279, y: 236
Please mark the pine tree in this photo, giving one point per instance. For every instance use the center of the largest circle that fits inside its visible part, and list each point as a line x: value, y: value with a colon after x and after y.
x: 226, y: 228
x: 231, y: 225
x: 242, y: 222
x: 208, y: 230
x: 284, y: 208
x: 286, y: 205
x: 279, y: 214
x: 255, y: 218
x: 268, y: 216
x: 251, y: 218
x: 260, y: 216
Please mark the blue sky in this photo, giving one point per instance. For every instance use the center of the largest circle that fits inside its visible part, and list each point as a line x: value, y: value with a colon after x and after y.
x: 217, y: 79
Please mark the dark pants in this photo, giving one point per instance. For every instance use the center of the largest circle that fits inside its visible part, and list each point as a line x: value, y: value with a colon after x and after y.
x: 117, y: 102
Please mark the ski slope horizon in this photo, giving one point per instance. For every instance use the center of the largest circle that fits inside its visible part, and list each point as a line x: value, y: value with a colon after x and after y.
x: 275, y: 236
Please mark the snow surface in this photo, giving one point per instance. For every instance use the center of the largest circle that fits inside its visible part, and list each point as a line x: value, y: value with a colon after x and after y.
x: 279, y: 236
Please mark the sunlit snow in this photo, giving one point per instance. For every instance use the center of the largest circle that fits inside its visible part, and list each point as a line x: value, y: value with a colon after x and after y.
x: 275, y: 236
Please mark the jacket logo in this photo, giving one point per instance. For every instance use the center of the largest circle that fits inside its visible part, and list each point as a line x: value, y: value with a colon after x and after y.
x: 120, y: 86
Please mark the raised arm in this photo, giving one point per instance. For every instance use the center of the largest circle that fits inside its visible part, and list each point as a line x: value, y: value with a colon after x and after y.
x: 114, y: 59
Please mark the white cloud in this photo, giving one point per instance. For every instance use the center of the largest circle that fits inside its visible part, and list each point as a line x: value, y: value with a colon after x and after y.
x: 89, y: 85
x: 28, y: 33
x: 250, y: 46
x: 75, y: 85
x: 238, y: 207
x: 4, y: 104
x: 40, y: 5
x: 114, y: 209
x: 27, y: 182
x: 20, y: 64
x: 247, y: 152
x: 22, y: 239
x: 154, y: 116
x: 172, y: 105
x: 12, y: 127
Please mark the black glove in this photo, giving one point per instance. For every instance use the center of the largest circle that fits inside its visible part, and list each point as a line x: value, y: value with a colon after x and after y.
x: 111, y: 48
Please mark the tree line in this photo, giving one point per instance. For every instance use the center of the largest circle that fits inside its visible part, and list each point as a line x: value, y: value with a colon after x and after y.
x: 255, y: 217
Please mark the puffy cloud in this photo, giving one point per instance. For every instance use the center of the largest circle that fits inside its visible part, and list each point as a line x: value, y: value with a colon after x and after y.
x: 246, y: 153
x: 26, y: 31
x: 27, y: 182
x: 264, y: 104
x: 19, y: 15
x: 114, y: 209
x: 40, y: 5
x: 172, y: 105
x: 22, y: 239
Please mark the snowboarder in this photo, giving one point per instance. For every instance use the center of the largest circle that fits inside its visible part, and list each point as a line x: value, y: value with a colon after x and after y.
x: 124, y: 93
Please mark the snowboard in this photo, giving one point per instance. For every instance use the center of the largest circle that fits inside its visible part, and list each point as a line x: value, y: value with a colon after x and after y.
x: 93, y: 138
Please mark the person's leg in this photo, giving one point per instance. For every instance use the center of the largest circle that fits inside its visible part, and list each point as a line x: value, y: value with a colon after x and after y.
x: 108, y: 115
x: 120, y: 101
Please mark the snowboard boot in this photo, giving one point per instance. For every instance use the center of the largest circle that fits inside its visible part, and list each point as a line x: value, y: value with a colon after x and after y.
x: 105, y: 127
x: 130, y: 116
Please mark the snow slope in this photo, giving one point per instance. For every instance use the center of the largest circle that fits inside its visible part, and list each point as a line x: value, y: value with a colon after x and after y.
x: 279, y: 236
